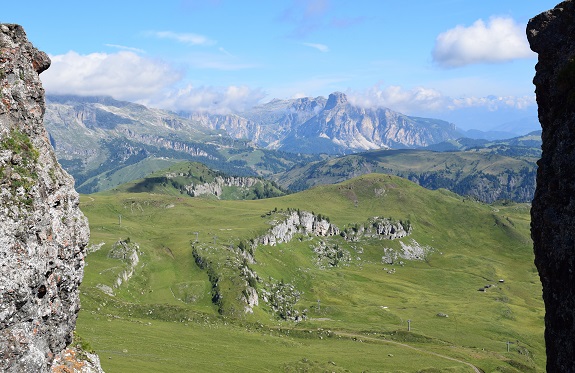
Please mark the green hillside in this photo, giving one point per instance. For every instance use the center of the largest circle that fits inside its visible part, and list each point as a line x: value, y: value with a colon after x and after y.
x: 195, y: 179
x: 463, y: 276
x: 487, y: 174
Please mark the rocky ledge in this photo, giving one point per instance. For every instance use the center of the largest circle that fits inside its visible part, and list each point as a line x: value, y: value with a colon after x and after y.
x: 43, y: 233
x: 552, y: 35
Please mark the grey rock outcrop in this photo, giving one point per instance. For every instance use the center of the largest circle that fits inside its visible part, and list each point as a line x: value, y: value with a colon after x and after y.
x: 552, y: 35
x: 376, y: 227
x: 343, y: 127
x: 335, y: 125
x: 43, y: 233
x: 215, y: 188
x: 298, y: 222
x: 127, y: 252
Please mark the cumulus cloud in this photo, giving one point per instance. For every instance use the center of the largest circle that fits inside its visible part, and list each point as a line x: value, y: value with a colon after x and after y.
x: 493, y: 103
x: 320, y: 47
x: 421, y: 100
x: 128, y: 76
x: 500, y: 39
x: 218, y: 100
x: 123, y: 75
x: 399, y: 99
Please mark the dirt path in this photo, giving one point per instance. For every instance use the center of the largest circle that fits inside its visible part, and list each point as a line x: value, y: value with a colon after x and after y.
x: 363, y: 337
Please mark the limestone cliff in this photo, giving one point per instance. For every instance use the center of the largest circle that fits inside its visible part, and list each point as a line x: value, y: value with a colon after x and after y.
x: 43, y: 234
x: 215, y: 188
x: 297, y: 222
x: 552, y: 35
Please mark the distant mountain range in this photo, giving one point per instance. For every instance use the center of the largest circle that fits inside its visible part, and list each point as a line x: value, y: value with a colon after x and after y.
x: 103, y: 143
x: 484, y: 170
x: 332, y: 126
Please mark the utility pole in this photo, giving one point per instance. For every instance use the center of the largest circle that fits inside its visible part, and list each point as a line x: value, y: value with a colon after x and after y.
x: 215, y: 237
x: 408, y: 325
x: 318, y: 307
x: 120, y: 219
x: 196, y: 236
x: 508, y: 343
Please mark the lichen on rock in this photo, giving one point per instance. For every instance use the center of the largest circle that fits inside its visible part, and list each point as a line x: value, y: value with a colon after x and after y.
x: 43, y: 233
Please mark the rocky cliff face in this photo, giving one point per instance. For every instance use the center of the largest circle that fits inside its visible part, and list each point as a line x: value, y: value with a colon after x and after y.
x: 298, y: 222
x: 342, y: 127
x: 43, y: 234
x: 215, y: 188
x: 314, y: 125
x: 265, y: 125
x: 552, y: 35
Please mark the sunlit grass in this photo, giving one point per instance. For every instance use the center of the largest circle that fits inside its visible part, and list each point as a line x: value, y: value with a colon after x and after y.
x: 473, y: 245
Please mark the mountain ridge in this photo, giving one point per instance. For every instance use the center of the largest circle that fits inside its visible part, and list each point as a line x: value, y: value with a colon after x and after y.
x: 101, y: 140
x: 299, y: 125
x: 480, y: 169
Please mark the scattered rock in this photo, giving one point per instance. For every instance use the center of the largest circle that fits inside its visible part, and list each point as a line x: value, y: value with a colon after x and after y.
x: 298, y: 222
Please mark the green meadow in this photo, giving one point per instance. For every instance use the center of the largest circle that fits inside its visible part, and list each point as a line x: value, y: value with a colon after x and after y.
x: 474, y: 298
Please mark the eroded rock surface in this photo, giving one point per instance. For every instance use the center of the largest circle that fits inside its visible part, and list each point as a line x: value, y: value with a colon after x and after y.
x: 298, y: 222
x: 43, y: 234
x: 552, y: 35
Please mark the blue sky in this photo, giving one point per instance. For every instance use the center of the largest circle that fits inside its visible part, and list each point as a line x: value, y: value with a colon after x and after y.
x: 460, y: 60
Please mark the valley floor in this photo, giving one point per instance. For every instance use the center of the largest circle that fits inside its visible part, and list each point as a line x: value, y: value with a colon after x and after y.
x: 165, y: 316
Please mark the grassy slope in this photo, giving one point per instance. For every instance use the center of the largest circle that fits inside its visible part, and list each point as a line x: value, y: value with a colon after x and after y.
x: 172, y: 180
x: 474, y: 245
x: 452, y: 167
x: 132, y: 172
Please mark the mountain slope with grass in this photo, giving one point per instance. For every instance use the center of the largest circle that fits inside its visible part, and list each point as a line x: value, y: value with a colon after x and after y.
x: 487, y: 174
x: 104, y: 142
x: 325, y: 279
x: 196, y: 180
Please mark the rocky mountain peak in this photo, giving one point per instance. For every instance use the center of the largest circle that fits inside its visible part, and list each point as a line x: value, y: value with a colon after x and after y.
x: 335, y: 99
x: 43, y: 233
x: 552, y: 35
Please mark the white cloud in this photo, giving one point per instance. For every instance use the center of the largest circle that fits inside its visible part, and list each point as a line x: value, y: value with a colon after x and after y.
x: 224, y: 51
x: 127, y: 76
x: 184, y: 38
x: 125, y: 48
x: 219, y: 100
x: 320, y: 47
x: 123, y: 75
x: 420, y: 100
x: 493, y: 103
x: 500, y: 40
x: 399, y: 99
